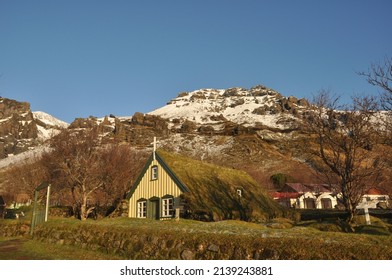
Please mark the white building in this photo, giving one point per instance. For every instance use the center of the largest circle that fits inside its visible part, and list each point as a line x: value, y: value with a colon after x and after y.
x: 374, y: 198
x: 307, y: 196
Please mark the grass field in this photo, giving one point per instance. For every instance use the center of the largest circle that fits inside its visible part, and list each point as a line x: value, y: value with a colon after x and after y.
x: 279, y: 239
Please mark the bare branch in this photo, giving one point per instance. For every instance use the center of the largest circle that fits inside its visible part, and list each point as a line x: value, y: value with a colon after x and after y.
x: 380, y: 75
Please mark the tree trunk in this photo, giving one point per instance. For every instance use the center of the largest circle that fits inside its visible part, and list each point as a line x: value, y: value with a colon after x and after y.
x: 351, y: 214
x: 83, y: 209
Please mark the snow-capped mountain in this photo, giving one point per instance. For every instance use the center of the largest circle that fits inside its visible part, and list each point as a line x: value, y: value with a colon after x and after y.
x: 258, y: 105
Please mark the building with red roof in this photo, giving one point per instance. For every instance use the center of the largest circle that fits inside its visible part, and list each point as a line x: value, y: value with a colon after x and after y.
x: 324, y: 196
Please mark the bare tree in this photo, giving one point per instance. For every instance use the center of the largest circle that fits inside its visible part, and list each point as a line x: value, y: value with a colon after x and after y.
x: 24, y: 178
x: 73, y: 166
x: 87, y: 170
x: 120, y: 166
x: 345, y: 139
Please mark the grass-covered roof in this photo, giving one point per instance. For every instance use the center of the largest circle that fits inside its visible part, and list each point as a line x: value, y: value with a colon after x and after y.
x: 213, y: 191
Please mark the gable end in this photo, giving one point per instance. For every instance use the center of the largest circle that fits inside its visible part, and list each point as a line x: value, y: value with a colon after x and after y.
x: 168, y: 170
x: 172, y: 175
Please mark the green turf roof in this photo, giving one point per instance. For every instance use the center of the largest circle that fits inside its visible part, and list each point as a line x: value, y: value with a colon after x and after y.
x: 213, y: 189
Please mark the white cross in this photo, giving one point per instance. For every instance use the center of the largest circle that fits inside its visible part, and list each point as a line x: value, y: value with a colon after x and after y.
x: 155, y: 147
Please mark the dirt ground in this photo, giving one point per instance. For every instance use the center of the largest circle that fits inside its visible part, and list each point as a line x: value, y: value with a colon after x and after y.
x: 13, y: 250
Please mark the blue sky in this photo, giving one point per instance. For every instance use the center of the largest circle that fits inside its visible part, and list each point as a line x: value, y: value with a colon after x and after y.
x: 78, y: 58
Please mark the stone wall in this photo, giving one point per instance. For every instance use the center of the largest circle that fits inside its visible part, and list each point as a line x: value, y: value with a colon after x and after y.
x: 14, y: 229
x: 132, y: 244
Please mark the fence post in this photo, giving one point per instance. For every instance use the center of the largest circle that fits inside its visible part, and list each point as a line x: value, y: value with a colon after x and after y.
x: 34, y: 212
x: 47, y: 203
x: 367, y: 216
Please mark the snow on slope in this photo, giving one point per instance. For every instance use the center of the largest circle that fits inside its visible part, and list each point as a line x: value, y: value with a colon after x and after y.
x: 237, y: 105
x: 49, y: 119
x: 48, y: 126
x: 25, y: 157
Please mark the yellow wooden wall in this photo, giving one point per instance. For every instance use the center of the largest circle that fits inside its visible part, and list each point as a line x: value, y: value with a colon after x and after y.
x: 147, y: 189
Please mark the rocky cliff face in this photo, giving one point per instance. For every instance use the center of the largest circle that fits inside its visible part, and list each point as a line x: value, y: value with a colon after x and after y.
x: 18, y: 129
x: 21, y: 129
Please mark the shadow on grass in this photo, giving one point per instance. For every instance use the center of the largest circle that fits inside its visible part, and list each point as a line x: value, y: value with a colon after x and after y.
x: 373, y: 230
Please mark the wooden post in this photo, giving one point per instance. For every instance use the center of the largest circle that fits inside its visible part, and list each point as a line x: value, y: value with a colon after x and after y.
x: 47, y: 203
x: 367, y: 217
x: 32, y: 226
x: 177, y: 214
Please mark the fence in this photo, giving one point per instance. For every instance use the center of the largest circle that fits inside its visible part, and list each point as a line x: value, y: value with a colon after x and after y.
x: 40, y: 211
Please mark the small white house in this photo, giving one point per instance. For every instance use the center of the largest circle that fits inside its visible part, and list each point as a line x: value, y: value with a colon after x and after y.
x: 373, y: 198
x: 307, y: 196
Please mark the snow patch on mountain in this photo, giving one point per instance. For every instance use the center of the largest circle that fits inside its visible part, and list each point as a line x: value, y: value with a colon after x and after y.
x: 49, y: 119
x: 47, y: 125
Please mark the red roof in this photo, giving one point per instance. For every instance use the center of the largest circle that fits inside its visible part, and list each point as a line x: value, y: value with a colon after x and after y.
x: 374, y: 191
x: 281, y: 195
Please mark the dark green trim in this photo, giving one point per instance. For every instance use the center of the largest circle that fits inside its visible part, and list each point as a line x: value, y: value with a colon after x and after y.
x: 145, y: 168
x: 168, y: 170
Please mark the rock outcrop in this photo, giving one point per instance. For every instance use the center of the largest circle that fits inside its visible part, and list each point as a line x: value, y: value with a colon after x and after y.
x: 18, y: 129
x: 21, y: 129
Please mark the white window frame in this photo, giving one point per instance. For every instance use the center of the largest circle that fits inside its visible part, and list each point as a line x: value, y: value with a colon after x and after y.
x: 142, y: 209
x: 154, y: 172
x: 167, y: 207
